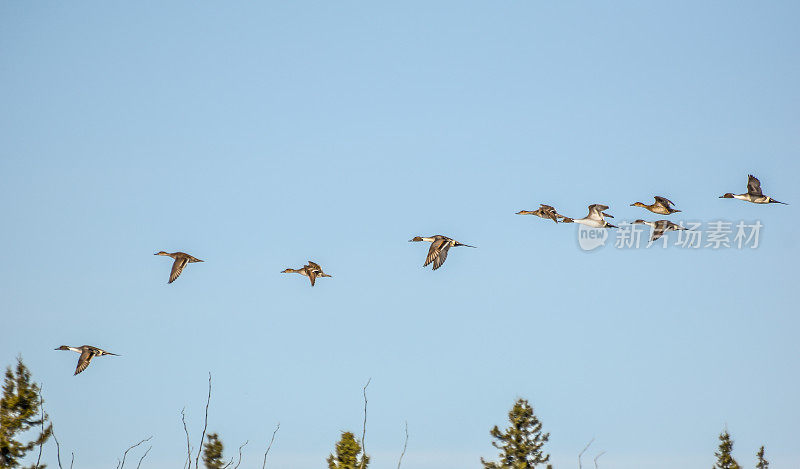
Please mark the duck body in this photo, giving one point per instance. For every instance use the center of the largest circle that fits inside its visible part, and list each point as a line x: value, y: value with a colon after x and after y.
x: 595, y: 218
x: 181, y: 259
x: 544, y: 211
x: 658, y: 228
x: 661, y: 206
x: 440, y: 245
x: 87, y: 353
x: 312, y: 270
x: 753, y: 194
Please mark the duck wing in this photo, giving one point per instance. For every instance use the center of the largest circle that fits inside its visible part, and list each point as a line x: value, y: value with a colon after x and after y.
x: 663, y: 201
x: 437, y: 253
x: 312, y: 275
x: 177, y: 268
x: 753, y: 185
x: 84, y: 360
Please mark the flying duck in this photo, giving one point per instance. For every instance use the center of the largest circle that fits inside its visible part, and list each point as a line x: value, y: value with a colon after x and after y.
x: 438, y: 250
x: 753, y: 194
x: 312, y: 270
x: 659, y: 227
x: 594, y: 219
x: 181, y: 259
x: 660, y: 206
x: 544, y: 211
x: 87, y: 353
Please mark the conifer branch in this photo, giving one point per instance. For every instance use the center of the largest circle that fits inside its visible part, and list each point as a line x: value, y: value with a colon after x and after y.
x: 205, y: 425
x: 125, y: 454
x: 364, y: 429
x: 142, y: 458
x: 270, y: 445
x: 405, y: 445
x: 580, y: 465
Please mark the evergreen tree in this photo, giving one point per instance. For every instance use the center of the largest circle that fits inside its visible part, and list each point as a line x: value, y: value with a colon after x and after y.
x: 762, y: 461
x: 724, y: 458
x: 347, y: 454
x: 19, y: 412
x: 212, y: 452
x: 521, y: 443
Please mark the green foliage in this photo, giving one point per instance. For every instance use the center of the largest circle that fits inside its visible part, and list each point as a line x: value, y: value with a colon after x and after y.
x: 762, y: 462
x: 19, y: 412
x: 521, y: 443
x: 212, y: 452
x: 724, y: 458
x: 347, y: 454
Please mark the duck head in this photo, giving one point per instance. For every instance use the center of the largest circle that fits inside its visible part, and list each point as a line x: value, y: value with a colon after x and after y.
x: 726, y: 196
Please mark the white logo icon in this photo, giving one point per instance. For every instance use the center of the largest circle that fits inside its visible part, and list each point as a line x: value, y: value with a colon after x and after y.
x: 591, y: 238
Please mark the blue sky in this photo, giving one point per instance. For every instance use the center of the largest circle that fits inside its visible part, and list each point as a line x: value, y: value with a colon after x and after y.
x: 259, y: 136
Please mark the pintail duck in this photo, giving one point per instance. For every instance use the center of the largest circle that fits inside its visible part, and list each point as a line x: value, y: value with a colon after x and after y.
x: 544, y: 211
x: 312, y: 270
x: 438, y: 250
x: 87, y: 353
x: 181, y: 259
x: 594, y: 219
x: 660, y: 206
x: 753, y: 194
x: 659, y: 227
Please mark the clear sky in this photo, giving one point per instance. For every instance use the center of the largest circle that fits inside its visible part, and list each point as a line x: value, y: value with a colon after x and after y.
x: 259, y: 135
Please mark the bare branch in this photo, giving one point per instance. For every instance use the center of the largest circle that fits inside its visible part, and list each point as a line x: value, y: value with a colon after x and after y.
x: 405, y: 445
x: 72, y: 461
x: 58, y: 449
x: 580, y: 465
x: 125, y: 454
x: 270, y: 445
x: 41, y: 442
x: 226, y: 466
x: 240, y: 454
x: 205, y: 425
x: 364, y: 430
x: 142, y: 458
x: 598, y: 457
x: 188, y: 445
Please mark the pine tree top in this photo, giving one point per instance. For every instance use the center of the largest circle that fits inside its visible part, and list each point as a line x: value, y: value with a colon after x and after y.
x: 521, y: 443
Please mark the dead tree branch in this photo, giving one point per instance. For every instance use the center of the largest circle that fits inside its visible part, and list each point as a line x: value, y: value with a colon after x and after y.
x: 598, y: 457
x: 188, y: 445
x: 405, y: 445
x: 205, y: 426
x: 72, y: 461
x: 364, y: 429
x: 142, y: 458
x: 580, y: 465
x: 240, y: 454
x: 125, y: 454
x: 58, y: 449
x: 270, y: 445
x: 41, y: 442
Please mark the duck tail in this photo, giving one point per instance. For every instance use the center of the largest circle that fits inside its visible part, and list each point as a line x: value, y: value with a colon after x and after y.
x: 566, y: 220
